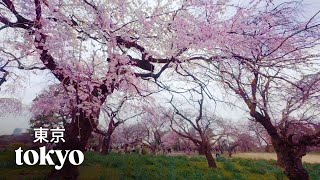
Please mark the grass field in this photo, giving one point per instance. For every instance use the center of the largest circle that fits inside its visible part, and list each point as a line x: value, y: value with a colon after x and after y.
x: 309, y: 158
x: 136, y: 166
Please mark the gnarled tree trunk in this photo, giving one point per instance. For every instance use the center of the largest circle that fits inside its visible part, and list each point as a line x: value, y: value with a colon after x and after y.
x: 290, y: 159
x: 289, y: 156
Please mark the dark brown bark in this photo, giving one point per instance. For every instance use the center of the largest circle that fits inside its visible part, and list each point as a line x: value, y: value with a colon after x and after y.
x: 210, y: 159
x: 290, y: 159
x: 106, y: 144
x: 126, y: 151
x: 76, y: 137
x: 204, y: 149
x: 68, y: 171
x: 201, y: 150
x: 289, y: 156
x: 230, y: 153
x: 153, y: 149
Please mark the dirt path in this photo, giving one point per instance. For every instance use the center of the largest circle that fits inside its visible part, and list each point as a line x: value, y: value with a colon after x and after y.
x: 309, y: 158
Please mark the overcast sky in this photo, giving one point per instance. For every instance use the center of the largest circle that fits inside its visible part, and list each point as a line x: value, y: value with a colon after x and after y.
x: 26, y: 90
x: 33, y: 84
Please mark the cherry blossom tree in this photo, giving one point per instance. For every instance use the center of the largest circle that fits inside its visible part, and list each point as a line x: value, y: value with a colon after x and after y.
x: 261, y: 135
x: 92, y: 48
x: 10, y: 106
x: 115, y: 114
x: 50, y: 109
x: 51, y: 120
x: 102, y: 46
x: 230, y: 139
x: 53, y: 100
x: 236, y: 137
x: 170, y: 140
x: 129, y: 135
x: 147, y: 130
x: 270, y: 64
x: 9, y: 61
x: 197, y: 125
x: 173, y: 142
x: 155, y: 123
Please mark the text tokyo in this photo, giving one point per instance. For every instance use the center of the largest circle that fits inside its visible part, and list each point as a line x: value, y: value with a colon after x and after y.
x: 42, y: 157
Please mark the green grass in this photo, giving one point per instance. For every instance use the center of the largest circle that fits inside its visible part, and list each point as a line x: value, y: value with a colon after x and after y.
x: 136, y: 166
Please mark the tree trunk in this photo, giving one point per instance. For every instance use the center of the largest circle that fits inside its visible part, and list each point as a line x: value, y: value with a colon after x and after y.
x: 77, y: 134
x: 231, y: 149
x: 100, y: 142
x: 204, y: 148
x: 290, y: 159
x: 68, y: 171
x: 289, y: 156
x: 221, y: 151
x: 153, y: 150
x: 201, y: 150
x: 126, y: 149
x: 210, y: 159
x: 106, y: 144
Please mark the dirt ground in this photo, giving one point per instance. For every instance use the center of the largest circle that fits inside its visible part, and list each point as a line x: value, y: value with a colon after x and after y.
x: 309, y: 158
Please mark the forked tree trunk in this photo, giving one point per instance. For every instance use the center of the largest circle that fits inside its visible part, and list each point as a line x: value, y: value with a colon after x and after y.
x: 76, y: 137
